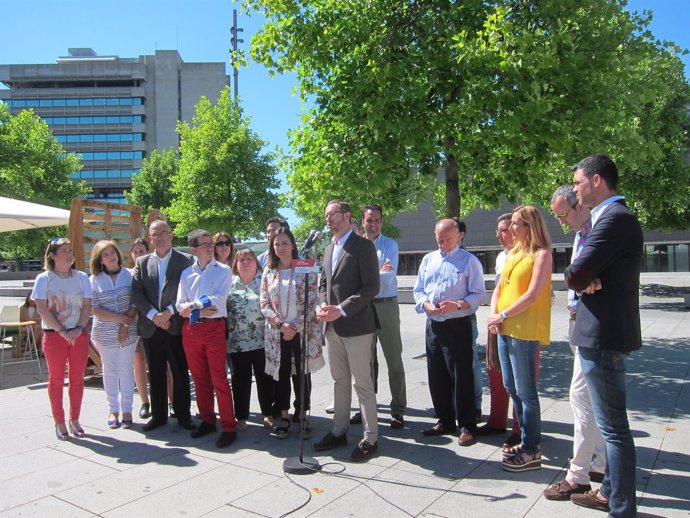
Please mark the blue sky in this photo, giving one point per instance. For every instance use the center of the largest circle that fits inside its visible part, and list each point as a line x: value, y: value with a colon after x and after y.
x: 42, y: 30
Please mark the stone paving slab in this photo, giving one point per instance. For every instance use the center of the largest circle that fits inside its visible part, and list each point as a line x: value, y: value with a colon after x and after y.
x: 165, y: 472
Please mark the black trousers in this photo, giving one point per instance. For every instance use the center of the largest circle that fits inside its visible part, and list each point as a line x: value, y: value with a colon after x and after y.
x: 449, y: 367
x: 163, y: 349
x: 290, y: 350
x: 243, y: 364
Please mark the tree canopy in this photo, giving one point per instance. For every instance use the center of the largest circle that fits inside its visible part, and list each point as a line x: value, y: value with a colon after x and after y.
x: 151, y: 188
x: 501, y: 96
x: 34, y: 167
x: 224, y: 181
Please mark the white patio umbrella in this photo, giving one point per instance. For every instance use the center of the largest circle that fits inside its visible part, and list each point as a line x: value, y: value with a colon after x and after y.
x: 20, y: 215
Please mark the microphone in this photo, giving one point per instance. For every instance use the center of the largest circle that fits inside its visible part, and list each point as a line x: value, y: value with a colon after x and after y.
x: 311, y: 240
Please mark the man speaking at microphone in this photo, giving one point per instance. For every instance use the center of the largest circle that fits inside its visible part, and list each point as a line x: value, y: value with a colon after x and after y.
x: 349, y: 283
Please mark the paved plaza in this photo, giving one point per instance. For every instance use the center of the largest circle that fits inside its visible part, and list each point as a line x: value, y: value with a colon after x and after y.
x: 126, y: 473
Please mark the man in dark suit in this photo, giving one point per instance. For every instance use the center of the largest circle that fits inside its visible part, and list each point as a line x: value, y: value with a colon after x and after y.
x: 349, y: 283
x: 607, y: 327
x: 154, y: 291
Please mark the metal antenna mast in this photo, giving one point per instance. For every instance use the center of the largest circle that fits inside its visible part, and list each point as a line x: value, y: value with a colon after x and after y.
x: 234, y: 56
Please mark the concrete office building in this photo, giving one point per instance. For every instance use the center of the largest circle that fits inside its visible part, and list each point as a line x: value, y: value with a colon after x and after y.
x: 113, y: 111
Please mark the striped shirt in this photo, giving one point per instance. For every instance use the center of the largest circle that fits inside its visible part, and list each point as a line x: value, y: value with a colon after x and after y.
x: 116, y: 297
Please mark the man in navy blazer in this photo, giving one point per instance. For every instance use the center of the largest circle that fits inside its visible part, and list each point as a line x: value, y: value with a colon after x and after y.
x: 154, y: 291
x: 607, y: 327
x: 348, y: 285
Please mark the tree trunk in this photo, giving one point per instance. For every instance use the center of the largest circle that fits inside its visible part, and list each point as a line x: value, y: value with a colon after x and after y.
x: 451, y: 176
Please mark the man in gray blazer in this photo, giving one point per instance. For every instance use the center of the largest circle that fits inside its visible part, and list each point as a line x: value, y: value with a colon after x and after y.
x: 349, y: 283
x: 154, y: 291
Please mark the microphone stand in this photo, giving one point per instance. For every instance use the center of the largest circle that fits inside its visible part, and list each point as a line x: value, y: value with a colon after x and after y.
x: 302, y: 465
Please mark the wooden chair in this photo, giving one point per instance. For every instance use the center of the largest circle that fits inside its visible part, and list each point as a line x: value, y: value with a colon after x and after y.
x: 11, y: 324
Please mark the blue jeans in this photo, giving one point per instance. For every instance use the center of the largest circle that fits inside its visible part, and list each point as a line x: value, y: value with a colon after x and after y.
x: 604, y: 372
x: 519, y: 370
x: 476, y: 366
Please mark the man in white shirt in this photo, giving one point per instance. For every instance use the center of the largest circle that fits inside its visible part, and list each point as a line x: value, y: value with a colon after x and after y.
x: 202, y: 302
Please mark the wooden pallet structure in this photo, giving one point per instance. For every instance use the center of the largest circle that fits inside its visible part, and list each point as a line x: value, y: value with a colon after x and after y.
x: 92, y: 221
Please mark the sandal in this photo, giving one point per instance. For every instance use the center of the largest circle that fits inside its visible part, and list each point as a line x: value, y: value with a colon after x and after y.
x: 510, y: 451
x: 113, y: 421
x: 268, y: 421
x: 522, y: 461
x: 283, y: 431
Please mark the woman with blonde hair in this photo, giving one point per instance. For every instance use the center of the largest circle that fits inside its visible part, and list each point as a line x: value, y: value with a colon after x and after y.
x: 521, y: 317
x: 114, y: 330
x: 63, y: 299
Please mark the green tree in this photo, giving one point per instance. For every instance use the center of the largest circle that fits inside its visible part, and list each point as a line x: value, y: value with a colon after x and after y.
x: 151, y: 188
x: 501, y: 96
x: 225, y: 181
x: 34, y: 167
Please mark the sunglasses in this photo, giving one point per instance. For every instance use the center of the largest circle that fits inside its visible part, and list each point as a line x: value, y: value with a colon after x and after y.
x: 222, y: 243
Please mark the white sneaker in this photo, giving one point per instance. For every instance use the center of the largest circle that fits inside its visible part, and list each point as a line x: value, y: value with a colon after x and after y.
x: 330, y: 409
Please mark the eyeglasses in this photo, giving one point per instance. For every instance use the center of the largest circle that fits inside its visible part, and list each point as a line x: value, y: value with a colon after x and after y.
x: 565, y: 214
x: 332, y: 214
x: 203, y: 245
x: 222, y: 243
x: 162, y: 233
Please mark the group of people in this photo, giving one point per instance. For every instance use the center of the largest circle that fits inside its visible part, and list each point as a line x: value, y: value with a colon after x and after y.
x: 603, y: 303
x: 255, y: 315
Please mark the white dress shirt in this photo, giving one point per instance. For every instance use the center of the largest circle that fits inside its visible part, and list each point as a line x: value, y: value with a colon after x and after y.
x: 213, y: 281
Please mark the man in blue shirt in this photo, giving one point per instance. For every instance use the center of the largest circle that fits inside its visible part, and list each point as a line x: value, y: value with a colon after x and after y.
x: 387, y: 315
x: 449, y: 289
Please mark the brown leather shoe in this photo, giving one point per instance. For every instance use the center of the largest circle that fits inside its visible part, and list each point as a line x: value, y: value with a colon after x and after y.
x: 590, y: 500
x: 562, y: 490
x: 467, y: 439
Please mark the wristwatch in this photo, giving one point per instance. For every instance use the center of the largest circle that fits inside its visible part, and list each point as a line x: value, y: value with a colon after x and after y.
x: 504, y: 315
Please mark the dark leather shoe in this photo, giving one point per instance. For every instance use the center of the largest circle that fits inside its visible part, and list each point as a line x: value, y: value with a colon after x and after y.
x: 589, y: 500
x: 466, y: 438
x: 203, y: 429
x: 330, y: 441
x: 397, y: 421
x: 562, y: 490
x: 438, y: 429
x: 512, y: 440
x: 356, y: 419
x: 226, y: 439
x: 145, y: 411
x: 364, y: 451
x: 595, y: 476
x: 153, y: 424
x: 187, y: 425
x: 488, y: 430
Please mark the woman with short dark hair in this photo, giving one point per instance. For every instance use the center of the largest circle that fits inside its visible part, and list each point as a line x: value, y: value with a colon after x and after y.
x: 63, y: 299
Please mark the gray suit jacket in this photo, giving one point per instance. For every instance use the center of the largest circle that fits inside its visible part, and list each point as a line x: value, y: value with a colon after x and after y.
x: 352, y: 284
x: 145, y: 290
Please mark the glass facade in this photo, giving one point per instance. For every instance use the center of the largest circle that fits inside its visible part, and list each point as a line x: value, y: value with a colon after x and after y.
x: 60, y: 103
x: 100, y: 137
x: 112, y: 155
x: 110, y: 119
x: 90, y: 174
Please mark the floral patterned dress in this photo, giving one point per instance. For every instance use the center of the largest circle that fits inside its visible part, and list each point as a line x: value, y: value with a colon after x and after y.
x: 270, y: 297
x: 246, y: 322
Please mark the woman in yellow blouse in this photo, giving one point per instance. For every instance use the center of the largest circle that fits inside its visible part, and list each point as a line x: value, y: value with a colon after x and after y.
x: 521, y: 317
